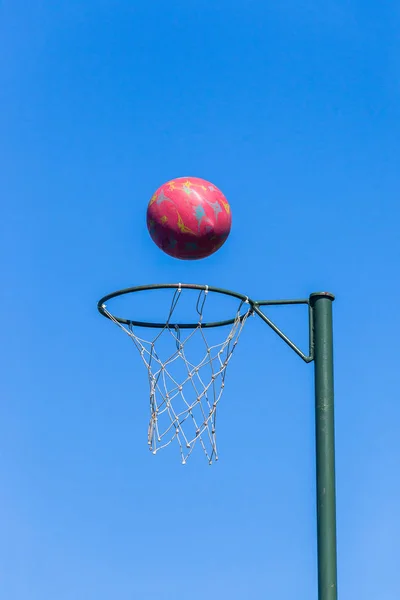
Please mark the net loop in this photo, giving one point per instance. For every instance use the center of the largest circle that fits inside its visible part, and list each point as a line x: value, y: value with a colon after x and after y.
x: 186, y: 377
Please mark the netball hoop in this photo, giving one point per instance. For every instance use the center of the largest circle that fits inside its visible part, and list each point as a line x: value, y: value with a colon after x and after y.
x: 186, y: 369
x: 187, y: 377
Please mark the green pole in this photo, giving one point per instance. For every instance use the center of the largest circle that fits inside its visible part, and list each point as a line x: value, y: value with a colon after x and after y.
x: 321, y: 306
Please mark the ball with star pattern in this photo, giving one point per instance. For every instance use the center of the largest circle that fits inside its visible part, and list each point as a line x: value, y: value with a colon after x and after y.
x: 189, y: 218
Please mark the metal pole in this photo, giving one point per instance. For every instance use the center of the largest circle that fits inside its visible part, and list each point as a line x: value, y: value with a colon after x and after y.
x: 321, y: 305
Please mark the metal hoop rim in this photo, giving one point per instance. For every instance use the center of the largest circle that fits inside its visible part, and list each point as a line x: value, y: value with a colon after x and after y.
x: 160, y: 286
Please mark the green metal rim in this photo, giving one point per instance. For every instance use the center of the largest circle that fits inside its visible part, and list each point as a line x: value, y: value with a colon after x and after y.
x: 161, y: 286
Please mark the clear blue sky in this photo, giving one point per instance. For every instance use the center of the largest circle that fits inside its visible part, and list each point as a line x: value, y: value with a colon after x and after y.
x: 293, y: 110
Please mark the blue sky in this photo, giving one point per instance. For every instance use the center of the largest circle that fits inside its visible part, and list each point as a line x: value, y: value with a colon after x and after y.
x: 293, y: 111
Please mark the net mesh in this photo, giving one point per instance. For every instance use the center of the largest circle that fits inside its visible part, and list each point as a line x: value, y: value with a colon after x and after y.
x: 187, y: 378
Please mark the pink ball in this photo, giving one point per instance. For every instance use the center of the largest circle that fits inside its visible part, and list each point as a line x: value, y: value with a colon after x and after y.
x: 189, y: 218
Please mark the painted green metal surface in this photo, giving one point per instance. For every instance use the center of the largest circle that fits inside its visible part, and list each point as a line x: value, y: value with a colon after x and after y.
x: 321, y: 305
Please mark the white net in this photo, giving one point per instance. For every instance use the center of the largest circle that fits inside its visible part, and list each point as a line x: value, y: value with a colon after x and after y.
x: 187, y: 378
